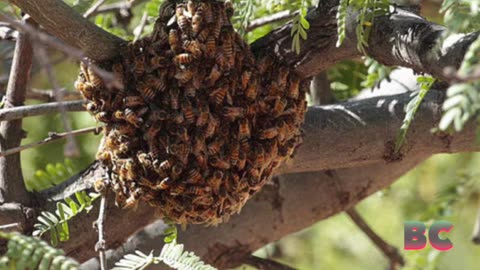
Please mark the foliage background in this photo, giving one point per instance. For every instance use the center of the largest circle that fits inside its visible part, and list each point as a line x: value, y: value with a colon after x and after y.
x: 443, y: 187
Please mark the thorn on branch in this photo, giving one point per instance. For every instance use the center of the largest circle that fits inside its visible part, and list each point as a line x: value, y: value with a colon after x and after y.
x: 389, y: 251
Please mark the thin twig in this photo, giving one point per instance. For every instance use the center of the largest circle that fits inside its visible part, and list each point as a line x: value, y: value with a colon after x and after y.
x: 107, y: 77
x: 100, y: 246
x: 389, y: 251
x: 71, y: 148
x: 9, y: 226
x: 53, y: 136
x: 20, y: 112
x: 139, y: 29
x: 266, y: 264
x: 93, y: 8
x: 280, y: 16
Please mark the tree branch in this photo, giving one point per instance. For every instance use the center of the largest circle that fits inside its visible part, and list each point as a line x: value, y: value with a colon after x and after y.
x: 72, y: 28
x: 293, y: 203
x: 40, y: 109
x: 406, y: 39
x: 389, y: 251
x: 362, y: 132
x: 52, y: 137
x: 12, y: 187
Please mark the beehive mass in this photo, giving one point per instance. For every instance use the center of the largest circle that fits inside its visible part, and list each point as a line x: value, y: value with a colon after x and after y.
x: 201, y: 125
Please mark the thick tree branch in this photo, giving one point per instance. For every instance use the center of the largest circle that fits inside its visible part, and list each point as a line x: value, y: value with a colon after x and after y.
x: 72, y: 28
x: 361, y: 132
x: 291, y: 204
x: 12, y: 187
x: 406, y: 39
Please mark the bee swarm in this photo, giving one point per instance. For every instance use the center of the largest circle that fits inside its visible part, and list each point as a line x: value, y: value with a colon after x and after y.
x: 200, y: 125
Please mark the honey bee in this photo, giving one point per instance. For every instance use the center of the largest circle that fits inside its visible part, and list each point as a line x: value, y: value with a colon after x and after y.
x: 94, y: 79
x: 211, y: 46
x: 182, y: 133
x: 91, y: 106
x: 228, y: 50
x: 242, y: 160
x: 211, y: 127
x: 280, y: 104
x: 243, y: 129
x: 264, y: 64
x: 229, y: 9
x: 194, y: 176
x: 158, y: 62
x: 269, y: 133
x: 132, y: 118
x: 233, y: 113
x: 184, y: 58
x: 178, y: 189
x: 174, y: 92
x: 203, y: 200
x: 85, y: 88
x: 217, y: 28
x: 104, y: 156
x: 198, y: 191
x: 203, y: 35
x: 102, y: 117
x: 157, y: 83
x: 147, y: 91
x: 178, y: 118
x: 193, y: 47
x: 215, y: 147
x: 251, y: 92
x: 176, y: 171
x: 234, y: 153
x: 100, y: 185
x: 207, y: 12
x: 173, y: 40
x: 184, y: 76
x: 219, y: 163
x: 259, y: 159
x: 246, y: 78
x: 184, y: 24
x: 180, y: 10
x: 282, y: 77
x: 164, y: 184
x: 133, y: 101
x: 139, y: 67
x: 203, y: 116
x: 191, y: 7
x: 218, y: 95
x: 196, y: 23
x: 188, y: 113
x: 214, y: 75
x: 162, y: 168
x: 215, y: 181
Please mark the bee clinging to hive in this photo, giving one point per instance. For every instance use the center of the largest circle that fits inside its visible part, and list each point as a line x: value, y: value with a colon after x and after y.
x: 201, y: 124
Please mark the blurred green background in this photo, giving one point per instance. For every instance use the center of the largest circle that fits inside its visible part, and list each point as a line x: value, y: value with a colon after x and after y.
x: 444, y: 187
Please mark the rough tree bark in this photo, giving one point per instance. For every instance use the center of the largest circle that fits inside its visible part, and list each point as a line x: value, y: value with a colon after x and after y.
x: 328, y: 179
x: 12, y: 187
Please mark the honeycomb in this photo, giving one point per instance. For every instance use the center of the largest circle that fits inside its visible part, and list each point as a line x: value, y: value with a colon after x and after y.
x: 201, y: 124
